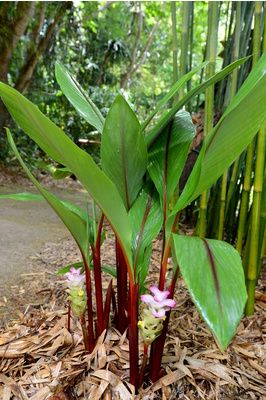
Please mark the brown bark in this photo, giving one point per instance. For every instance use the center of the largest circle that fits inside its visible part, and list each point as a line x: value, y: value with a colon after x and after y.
x: 24, y: 12
x: 33, y: 57
x: 137, y: 62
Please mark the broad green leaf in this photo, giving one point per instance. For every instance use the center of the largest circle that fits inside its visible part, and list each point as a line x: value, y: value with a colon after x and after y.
x: 187, y: 192
x: 175, y: 88
x: 67, y: 212
x: 123, y: 150
x: 146, y: 219
x: 59, y: 146
x: 166, y: 118
x: 78, y: 97
x: 214, y: 276
x: 236, y: 129
x: 168, y: 154
x: 24, y: 196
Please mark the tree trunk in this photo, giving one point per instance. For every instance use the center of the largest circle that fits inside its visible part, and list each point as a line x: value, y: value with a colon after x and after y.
x: 33, y: 57
x: 24, y: 12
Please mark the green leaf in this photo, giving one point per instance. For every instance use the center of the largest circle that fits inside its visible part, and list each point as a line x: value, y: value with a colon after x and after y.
x: 166, y: 118
x: 123, y: 150
x: 59, y: 146
x: 236, y: 129
x: 168, y: 154
x: 78, y: 97
x: 175, y: 88
x: 70, y: 214
x: 213, y: 273
x: 22, y: 196
x: 146, y: 219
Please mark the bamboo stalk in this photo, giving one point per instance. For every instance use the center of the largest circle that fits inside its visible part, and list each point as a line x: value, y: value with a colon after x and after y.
x: 252, y: 269
x: 186, y: 7
x: 232, y: 93
x: 174, y: 35
x: 209, y: 98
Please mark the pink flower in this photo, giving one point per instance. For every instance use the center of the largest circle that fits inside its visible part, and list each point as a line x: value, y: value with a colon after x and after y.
x: 74, y: 277
x: 158, y: 303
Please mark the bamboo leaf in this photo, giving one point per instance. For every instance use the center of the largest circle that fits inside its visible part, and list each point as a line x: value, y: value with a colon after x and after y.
x: 123, y: 150
x: 166, y: 118
x: 70, y: 214
x: 213, y: 273
x: 168, y: 154
x: 59, y: 146
x: 175, y: 88
x: 78, y: 97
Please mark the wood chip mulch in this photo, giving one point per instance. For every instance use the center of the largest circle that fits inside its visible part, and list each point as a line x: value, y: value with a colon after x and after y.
x: 40, y: 359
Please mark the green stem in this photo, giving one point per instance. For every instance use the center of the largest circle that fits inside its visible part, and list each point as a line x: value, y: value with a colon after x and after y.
x: 252, y: 270
x: 174, y: 36
x: 186, y: 9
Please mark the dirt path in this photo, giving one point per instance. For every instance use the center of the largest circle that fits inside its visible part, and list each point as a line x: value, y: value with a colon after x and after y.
x: 25, y: 227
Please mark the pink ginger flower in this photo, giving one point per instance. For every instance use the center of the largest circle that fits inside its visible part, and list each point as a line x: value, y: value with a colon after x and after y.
x: 159, y: 302
x: 74, y: 277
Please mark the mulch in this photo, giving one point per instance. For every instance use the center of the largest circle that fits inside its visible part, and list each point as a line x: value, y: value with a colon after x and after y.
x: 40, y: 359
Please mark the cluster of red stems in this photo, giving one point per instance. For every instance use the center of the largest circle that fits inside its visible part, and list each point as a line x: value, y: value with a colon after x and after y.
x: 125, y: 305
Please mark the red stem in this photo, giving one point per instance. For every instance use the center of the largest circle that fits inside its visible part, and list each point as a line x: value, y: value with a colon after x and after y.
x: 107, y: 305
x: 89, y: 304
x: 96, y: 254
x: 122, y: 321
x: 158, y: 345
x: 85, y: 333
x: 133, y: 335
x: 144, y: 364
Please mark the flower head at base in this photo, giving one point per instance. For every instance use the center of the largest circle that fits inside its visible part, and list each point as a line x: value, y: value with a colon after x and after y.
x: 153, y: 313
x: 75, y: 289
x: 159, y: 303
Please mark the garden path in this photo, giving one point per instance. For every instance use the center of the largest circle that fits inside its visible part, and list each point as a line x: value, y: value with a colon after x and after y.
x: 24, y: 229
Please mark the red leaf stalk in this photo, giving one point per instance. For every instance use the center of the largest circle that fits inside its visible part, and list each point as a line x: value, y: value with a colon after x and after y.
x: 122, y: 321
x: 144, y: 364
x: 96, y: 254
x: 85, y: 333
x: 107, y: 305
x: 158, y: 345
x: 89, y: 304
x: 133, y: 335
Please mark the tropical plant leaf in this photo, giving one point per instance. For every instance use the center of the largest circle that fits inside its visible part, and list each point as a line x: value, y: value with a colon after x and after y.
x: 166, y: 118
x: 70, y: 214
x: 214, y: 275
x: 146, y: 220
x: 59, y: 146
x: 168, y: 154
x: 175, y: 88
x: 78, y: 97
x: 123, y: 150
x: 24, y: 196
x: 236, y: 129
